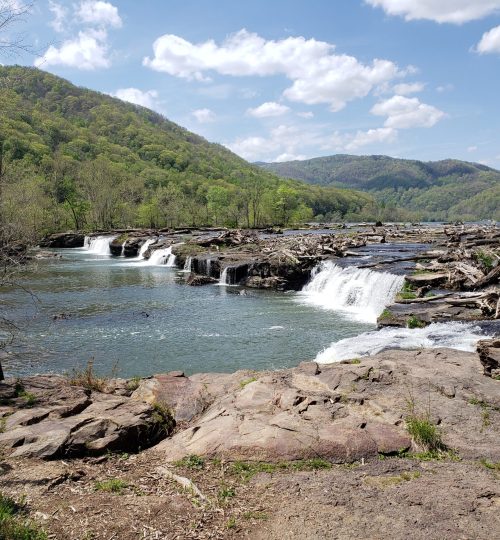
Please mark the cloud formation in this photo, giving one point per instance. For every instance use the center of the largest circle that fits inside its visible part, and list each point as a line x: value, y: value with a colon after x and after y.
x: 441, y: 11
x: 404, y: 89
x: 138, y: 97
x: 88, y: 51
x: 490, y: 42
x: 204, y: 116
x: 318, y: 75
x: 406, y: 113
x: 268, y: 109
x: 99, y: 13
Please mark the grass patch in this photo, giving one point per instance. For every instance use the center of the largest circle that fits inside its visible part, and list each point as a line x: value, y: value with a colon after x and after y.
x: 490, y: 465
x: 133, y: 383
x: 163, y: 417
x: 231, y: 523
x: 415, y: 322
x: 407, y: 296
x: 247, y: 470
x: 247, y: 381
x: 191, y: 462
x: 113, y: 485
x: 388, y: 481
x: 386, y: 314
x: 485, y: 412
x: 226, y: 492
x: 87, y: 378
x: 255, y: 515
x: 485, y: 259
x: 354, y: 361
x: 13, y: 522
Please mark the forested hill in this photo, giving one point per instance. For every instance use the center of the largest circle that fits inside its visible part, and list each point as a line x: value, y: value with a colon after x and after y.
x: 448, y: 189
x: 75, y: 158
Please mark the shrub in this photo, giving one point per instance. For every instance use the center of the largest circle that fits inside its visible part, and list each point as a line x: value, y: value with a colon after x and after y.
x: 87, y: 378
x: 113, y: 485
x: 415, y: 322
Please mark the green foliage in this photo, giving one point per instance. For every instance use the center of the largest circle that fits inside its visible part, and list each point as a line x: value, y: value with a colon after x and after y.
x: 79, y: 159
x: 191, y: 462
x: 407, y: 189
x: 415, y: 322
x: 162, y: 416
x: 87, y: 378
x: 13, y: 523
x: 113, y: 485
x: 247, y: 381
x: 490, y: 464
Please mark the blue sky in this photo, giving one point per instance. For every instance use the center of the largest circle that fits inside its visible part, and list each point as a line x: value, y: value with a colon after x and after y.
x: 289, y: 79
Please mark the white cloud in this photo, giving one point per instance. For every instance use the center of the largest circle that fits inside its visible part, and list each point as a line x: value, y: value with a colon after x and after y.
x: 204, y: 116
x: 88, y: 51
x: 60, y: 12
x: 405, y: 113
x: 490, y: 42
x: 138, y: 97
x: 99, y: 13
x: 290, y: 157
x: 441, y: 11
x: 472, y: 149
x: 365, y: 138
x: 405, y: 89
x: 306, y: 114
x: 268, y: 109
x: 445, y: 88
x: 317, y: 74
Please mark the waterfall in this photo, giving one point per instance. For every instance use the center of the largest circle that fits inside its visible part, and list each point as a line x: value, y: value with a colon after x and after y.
x: 359, y: 293
x: 453, y: 335
x: 187, y: 265
x: 160, y: 256
x: 98, y: 245
x: 123, y: 249
x: 224, y: 277
x: 145, y: 247
x: 209, y: 262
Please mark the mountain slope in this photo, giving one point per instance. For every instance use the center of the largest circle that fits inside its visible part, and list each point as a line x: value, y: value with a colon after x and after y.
x: 448, y: 189
x: 77, y: 158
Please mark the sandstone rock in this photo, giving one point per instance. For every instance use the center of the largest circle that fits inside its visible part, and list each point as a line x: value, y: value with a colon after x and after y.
x: 489, y: 354
x: 195, y: 280
x: 345, y: 412
x: 69, y: 421
x: 63, y: 240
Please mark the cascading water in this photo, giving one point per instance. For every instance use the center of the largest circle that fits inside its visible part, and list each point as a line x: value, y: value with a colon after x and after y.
x: 187, y: 265
x: 209, y: 262
x: 123, y: 249
x: 224, y: 279
x: 359, y: 293
x: 454, y: 335
x: 98, y: 245
x: 145, y: 247
x: 160, y: 256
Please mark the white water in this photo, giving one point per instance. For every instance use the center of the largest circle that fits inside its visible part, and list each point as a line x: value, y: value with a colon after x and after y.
x: 209, y: 262
x: 98, y: 245
x: 454, y: 335
x: 187, y: 265
x: 225, y: 280
x: 145, y: 247
x: 160, y: 256
x: 359, y: 293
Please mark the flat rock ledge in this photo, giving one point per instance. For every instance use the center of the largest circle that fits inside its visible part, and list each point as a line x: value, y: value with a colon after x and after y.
x: 46, y: 417
x: 342, y: 412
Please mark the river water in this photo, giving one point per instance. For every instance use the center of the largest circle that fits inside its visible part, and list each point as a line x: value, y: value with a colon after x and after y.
x: 142, y: 319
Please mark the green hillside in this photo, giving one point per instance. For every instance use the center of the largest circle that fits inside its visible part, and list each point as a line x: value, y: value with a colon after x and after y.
x: 75, y: 158
x: 448, y: 189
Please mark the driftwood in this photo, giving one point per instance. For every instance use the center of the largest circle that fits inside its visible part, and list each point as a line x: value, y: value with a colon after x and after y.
x: 424, y: 300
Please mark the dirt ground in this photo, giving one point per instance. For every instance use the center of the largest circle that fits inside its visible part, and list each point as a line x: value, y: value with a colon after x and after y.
x: 393, y: 498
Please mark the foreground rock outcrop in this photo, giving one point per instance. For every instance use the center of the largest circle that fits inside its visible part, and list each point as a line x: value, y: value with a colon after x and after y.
x: 342, y: 412
x: 46, y: 417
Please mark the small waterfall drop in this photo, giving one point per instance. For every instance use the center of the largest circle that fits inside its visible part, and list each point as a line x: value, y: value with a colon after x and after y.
x: 453, y: 335
x: 145, y: 247
x: 209, y: 262
x: 123, y: 249
x: 98, y: 245
x: 160, y: 256
x: 188, y: 265
x: 224, y: 279
x: 359, y: 293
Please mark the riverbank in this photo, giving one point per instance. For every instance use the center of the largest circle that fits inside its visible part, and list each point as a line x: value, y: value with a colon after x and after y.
x: 318, y: 451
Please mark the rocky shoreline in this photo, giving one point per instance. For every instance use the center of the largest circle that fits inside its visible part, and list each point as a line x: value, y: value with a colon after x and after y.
x: 405, y: 443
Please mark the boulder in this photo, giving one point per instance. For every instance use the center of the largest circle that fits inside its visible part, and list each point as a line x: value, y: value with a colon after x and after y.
x: 489, y: 355
x: 63, y: 240
x: 51, y: 419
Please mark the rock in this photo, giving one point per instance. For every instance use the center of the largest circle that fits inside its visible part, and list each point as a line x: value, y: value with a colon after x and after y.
x: 63, y: 240
x: 427, y: 278
x: 346, y: 412
x: 70, y: 421
x: 489, y: 355
x: 195, y: 280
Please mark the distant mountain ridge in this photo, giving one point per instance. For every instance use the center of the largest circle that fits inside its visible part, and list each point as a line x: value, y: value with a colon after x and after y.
x: 447, y: 189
